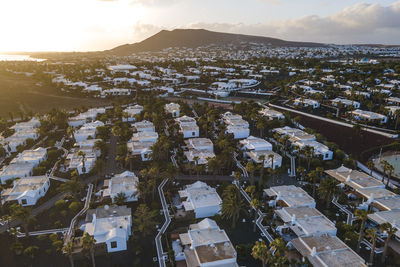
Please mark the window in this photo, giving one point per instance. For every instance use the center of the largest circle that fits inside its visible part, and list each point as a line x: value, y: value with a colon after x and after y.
x: 193, y: 133
x: 24, y: 202
x: 113, y: 244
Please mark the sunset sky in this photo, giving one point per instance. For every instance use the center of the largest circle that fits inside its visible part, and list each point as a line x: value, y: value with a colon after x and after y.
x: 84, y: 25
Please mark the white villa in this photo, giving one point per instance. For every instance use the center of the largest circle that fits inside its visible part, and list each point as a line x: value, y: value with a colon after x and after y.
x: 173, y: 109
x: 364, y: 115
x: 141, y: 142
x: 130, y: 112
x: 318, y: 148
x: 27, y: 191
x: 34, y: 156
x: 205, y: 244
x: 345, y: 102
x: 16, y: 170
x: 200, y: 150
x: 271, y: 159
x: 202, y: 199
x: 236, y: 125
x: 188, y: 127
x: 125, y: 183
x: 289, y: 196
x: 144, y: 126
x: 87, y: 131
x: 306, y: 103
x: 110, y: 226
x: 272, y: 114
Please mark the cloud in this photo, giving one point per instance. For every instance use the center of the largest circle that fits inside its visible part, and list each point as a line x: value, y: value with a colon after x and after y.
x: 154, y: 2
x: 361, y: 23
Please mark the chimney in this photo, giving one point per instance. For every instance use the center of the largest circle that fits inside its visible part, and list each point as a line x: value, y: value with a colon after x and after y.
x: 294, y: 219
x: 314, y: 252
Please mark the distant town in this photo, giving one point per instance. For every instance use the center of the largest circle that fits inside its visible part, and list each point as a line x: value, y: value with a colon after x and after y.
x: 243, y: 154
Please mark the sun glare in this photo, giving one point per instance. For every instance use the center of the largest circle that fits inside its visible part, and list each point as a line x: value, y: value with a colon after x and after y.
x: 48, y: 25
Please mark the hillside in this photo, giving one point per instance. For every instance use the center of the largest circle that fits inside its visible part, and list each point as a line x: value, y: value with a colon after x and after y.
x: 194, y: 38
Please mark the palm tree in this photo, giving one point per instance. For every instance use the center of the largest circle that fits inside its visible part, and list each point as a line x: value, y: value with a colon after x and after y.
x: 213, y: 166
x: 120, y: 198
x: 232, y: 205
x: 261, y: 252
x: 88, y: 244
x: 313, y: 175
x: 384, y: 165
x: 279, y: 246
x: 390, y: 170
x: 18, y: 212
x: 390, y: 232
x: 308, y: 153
x: 68, y: 250
x: 144, y: 220
x: 397, y: 115
x: 251, y: 169
x: 152, y: 183
x: 371, y: 234
x: 71, y: 132
x: 327, y: 189
x: 83, y: 155
x: 370, y: 165
x: 362, y: 215
x: 72, y: 186
x: 262, y: 159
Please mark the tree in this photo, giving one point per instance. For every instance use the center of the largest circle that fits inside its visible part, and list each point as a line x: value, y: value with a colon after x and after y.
x: 390, y: 232
x: 279, y: 246
x: 370, y: 166
x: 327, y: 189
x: 213, y: 166
x: 251, y: 169
x: 308, y: 153
x: 313, y: 175
x: 371, y: 234
x: 357, y: 129
x: 83, y: 155
x: 232, y: 205
x: 88, y: 245
x: 72, y: 186
x: 18, y: 212
x: 261, y: 252
x: 144, y: 220
x: 390, y: 170
x: 68, y: 250
x: 362, y: 215
x: 71, y: 132
x: 31, y: 251
x: 120, y: 199
x: 262, y: 158
x: 384, y: 165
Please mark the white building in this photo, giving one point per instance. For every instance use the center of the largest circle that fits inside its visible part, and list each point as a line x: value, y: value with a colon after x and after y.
x: 32, y: 124
x: 271, y: 159
x: 109, y: 225
x: 364, y: 115
x: 125, y: 183
x: 345, y: 102
x: 34, y: 156
x: 27, y: 191
x: 173, y: 109
x: 142, y: 141
x: 307, y: 103
x: 236, y: 126
x: 87, y: 131
x: 326, y: 250
x: 205, y: 244
x: 188, y: 127
x: 144, y: 126
x: 16, y: 170
x: 272, y: 114
x: 319, y: 149
x: 83, y: 164
x: 130, y: 112
x: 289, y: 196
x: 255, y: 144
x: 200, y: 150
x: 202, y: 199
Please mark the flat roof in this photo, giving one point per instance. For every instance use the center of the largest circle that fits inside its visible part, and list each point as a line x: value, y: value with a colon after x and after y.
x: 293, y: 196
x: 353, y: 178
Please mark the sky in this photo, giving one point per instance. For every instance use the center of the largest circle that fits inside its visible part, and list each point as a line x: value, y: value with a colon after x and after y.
x: 92, y: 25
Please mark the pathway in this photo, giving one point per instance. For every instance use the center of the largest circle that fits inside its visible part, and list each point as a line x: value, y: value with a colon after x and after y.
x: 160, y: 253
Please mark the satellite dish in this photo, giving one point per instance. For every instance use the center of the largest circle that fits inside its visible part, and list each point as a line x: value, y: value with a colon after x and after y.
x: 106, y: 207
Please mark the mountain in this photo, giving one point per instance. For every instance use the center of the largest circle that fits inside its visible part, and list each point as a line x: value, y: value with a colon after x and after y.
x: 198, y: 37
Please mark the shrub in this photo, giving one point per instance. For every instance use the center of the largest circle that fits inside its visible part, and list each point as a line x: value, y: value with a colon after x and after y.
x: 61, y: 204
x: 75, y: 206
